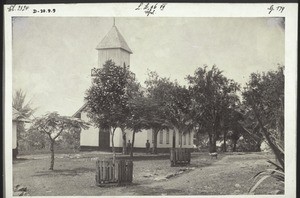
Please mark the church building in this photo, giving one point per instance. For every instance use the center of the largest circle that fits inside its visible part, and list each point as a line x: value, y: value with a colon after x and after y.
x: 113, y: 46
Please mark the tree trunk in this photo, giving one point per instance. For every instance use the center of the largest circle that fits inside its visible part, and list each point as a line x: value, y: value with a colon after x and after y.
x: 257, y: 146
x: 154, y: 147
x: 180, y: 145
x: 278, y: 153
x: 52, y: 154
x: 224, y: 141
x: 234, y: 145
x: 113, y: 145
x: 124, y: 150
x: 132, y: 144
x: 174, y: 139
x: 212, y: 143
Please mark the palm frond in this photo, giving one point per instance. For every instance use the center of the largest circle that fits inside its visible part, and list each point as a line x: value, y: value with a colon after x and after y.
x: 276, y: 165
x: 258, y: 183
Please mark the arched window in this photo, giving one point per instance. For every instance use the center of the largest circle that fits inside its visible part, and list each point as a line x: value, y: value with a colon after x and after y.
x: 161, y: 137
x: 167, y: 137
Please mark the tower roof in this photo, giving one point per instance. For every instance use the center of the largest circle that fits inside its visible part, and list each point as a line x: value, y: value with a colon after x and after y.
x: 113, y: 40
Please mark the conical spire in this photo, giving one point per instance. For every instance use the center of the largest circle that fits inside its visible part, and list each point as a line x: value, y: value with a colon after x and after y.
x: 113, y: 40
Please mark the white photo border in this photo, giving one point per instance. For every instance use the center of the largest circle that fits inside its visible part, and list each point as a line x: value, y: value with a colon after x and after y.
x: 172, y: 10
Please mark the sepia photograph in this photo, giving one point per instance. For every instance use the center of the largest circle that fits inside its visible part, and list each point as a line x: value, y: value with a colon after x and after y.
x: 150, y: 99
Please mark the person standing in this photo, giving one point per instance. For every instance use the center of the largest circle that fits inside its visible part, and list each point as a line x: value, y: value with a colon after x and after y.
x: 147, y: 147
x: 128, y: 147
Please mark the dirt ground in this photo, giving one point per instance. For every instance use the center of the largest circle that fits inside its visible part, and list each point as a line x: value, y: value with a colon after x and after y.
x: 74, y: 174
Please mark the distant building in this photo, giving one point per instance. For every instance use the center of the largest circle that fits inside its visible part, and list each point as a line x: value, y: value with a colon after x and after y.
x: 113, y: 46
x: 16, y: 118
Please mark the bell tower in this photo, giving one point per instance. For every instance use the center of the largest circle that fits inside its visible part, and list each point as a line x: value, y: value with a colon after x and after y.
x: 113, y: 46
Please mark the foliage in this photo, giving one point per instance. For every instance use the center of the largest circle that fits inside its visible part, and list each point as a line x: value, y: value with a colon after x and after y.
x: 158, y: 90
x: 180, y: 109
x: 54, y: 126
x: 33, y: 139
x: 108, y: 98
x: 24, y: 111
x: 277, y: 173
x: 264, y: 97
x: 213, y: 94
x: 251, y: 132
x: 141, y: 114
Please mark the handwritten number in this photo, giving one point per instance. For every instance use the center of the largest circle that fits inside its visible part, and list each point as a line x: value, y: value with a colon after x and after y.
x: 139, y: 6
x: 146, y: 6
x: 11, y: 8
x: 278, y: 8
x: 162, y: 7
x: 271, y: 9
x: 150, y: 8
x: 21, y: 8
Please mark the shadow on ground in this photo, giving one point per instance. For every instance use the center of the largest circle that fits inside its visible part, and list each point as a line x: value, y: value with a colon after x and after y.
x: 145, y: 157
x: 144, y: 190
x: 64, y: 172
x: 21, y: 160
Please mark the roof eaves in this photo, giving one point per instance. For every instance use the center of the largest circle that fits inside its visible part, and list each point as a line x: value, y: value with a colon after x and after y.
x: 80, y: 110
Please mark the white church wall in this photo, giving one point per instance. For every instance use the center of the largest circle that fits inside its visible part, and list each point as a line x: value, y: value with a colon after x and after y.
x: 166, y: 141
x: 140, y: 138
x: 124, y: 57
x: 139, y: 142
x: 118, y: 141
x: 119, y: 56
x: 89, y: 137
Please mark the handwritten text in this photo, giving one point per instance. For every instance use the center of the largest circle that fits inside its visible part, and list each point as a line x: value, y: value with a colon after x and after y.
x: 278, y: 9
x: 150, y: 8
x: 14, y: 8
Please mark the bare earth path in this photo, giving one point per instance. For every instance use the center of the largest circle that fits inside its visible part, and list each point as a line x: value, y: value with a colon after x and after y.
x: 229, y: 174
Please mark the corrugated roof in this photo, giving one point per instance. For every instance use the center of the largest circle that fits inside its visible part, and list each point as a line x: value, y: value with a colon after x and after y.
x: 114, y: 39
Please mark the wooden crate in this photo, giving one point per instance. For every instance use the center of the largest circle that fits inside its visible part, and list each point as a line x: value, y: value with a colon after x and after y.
x: 118, y: 173
x: 180, y: 156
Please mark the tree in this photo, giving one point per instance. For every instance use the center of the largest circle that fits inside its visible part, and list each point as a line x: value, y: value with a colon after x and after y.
x: 252, y: 136
x: 24, y: 111
x: 108, y: 98
x: 230, y: 120
x: 158, y: 90
x: 235, y: 130
x: 212, y: 95
x: 264, y: 97
x: 140, y: 110
x: 54, y: 125
x: 179, y: 109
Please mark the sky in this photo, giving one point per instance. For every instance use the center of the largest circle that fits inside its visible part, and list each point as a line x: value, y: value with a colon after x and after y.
x: 53, y: 56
